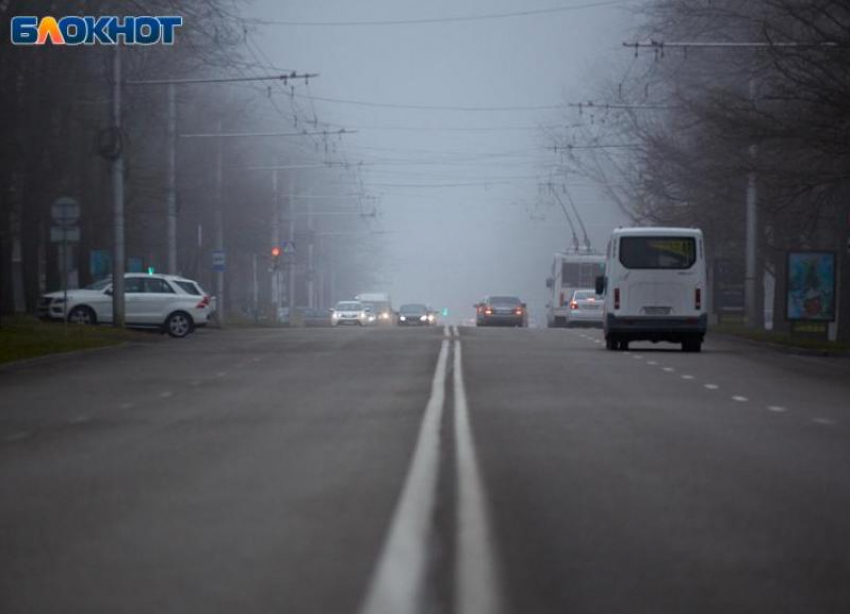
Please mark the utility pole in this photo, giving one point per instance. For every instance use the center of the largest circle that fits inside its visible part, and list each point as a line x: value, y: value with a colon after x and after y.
x: 291, y: 260
x: 219, y: 227
x: 118, y: 198
x: 751, y: 307
x: 311, y: 271
x: 171, y: 198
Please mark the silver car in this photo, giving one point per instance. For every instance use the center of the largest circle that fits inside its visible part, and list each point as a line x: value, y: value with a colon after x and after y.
x: 585, y: 309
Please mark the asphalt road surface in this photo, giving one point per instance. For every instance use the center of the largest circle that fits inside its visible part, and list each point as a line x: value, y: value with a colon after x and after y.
x: 480, y: 471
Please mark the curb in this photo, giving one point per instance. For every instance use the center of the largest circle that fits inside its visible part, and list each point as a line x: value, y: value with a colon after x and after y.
x: 48, y: 359
x: 784, y: 349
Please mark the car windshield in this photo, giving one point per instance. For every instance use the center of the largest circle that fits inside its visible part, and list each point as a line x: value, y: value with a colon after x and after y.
x: 413, y: 309
x: 349, y: 306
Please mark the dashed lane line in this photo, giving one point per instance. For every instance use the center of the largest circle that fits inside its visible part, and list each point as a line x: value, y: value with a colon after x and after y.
x: 776, y: 409
x: 711, y: 386
x: 740, y: 399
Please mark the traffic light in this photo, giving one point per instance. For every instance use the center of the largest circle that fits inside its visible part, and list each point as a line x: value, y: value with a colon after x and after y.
x: 276, y: 252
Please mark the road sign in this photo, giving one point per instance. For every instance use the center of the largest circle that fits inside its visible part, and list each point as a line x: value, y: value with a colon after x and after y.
x: 219, y: 261
x: 64, y: 234
x: 65, y: 211
x: 289, y: 247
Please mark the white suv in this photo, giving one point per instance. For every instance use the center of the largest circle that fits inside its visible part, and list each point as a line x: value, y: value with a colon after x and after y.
x: 171, y: 303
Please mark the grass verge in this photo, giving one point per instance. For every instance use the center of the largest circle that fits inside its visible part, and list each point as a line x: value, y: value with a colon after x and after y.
x: 786, y: 340
x: 23, y: 337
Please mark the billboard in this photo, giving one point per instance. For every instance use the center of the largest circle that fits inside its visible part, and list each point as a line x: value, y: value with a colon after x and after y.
x: 811, y: 287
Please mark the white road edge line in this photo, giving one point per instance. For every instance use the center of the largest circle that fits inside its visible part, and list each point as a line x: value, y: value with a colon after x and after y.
x: 476, y: 587
x: 397, y: 583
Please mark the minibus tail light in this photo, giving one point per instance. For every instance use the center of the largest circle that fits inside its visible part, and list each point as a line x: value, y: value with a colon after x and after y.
x: 698, y: 299
x: 562, y: 299
x: 616, y: 298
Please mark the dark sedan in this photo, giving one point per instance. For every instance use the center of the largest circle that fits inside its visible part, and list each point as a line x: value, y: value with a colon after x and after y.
x: 501, y: 311
x: 414, y: 315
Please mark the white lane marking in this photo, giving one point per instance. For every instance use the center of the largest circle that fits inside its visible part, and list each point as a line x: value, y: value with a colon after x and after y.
x: 80, y: 420
x: 455, y: 332
x: 637, y: 357
x: 668, y: 369
x: 652, y: 362
x: 627, y: 353
x: 256, y: 359
x: 126, y: 405
x: 18, y: 436
x: 777, y: 409
x: 397, y: 583
x: 476, y: 588
x: 195, y: 382
x: 166, y: 394
x: 446, y: 332
x: 740, y: 399
x: 221, y: 374
x: 688, y: 377
x: 824, y: 421
x: 711, y: 386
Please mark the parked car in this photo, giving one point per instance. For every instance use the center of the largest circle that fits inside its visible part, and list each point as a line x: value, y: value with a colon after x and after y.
x: 414, y: 314
x: 349, y: 313
x: 174, y: 304
x: 585, y: 309
x: 501, y: 311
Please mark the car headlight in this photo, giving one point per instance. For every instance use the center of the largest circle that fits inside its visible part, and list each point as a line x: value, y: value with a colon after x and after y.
x: 423, y: 318
x: 403, y: 318
x: 430, y: 317
x: 385, y: 316
x: 335, y: 315
x: 371, y: 318
x: 362, y: 314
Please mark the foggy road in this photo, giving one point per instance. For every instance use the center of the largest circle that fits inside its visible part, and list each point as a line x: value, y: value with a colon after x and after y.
x: 436, y: 470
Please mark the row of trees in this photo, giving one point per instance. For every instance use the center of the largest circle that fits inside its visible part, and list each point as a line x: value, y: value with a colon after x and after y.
x: 723, y: 97
x: 56, y: 139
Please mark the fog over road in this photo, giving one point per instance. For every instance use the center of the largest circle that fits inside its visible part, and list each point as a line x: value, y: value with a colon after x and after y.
x: 438, y: 470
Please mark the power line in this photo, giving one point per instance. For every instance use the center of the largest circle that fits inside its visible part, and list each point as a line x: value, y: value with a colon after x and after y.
x: 436, y: 20
x: 388, y: 105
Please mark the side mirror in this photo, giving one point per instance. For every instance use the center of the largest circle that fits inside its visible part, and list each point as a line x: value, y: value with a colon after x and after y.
x: 550, y: 283
x: 331, y: 310
x: 524, y: 306
x: 600, y: 286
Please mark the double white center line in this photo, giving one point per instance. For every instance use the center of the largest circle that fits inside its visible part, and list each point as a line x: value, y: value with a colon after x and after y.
x: 398, y: 583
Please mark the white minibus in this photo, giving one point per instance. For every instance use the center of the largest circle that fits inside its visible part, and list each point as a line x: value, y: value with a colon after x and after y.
x: 655, y: 287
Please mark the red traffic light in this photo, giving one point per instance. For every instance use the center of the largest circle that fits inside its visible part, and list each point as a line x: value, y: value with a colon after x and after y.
x: 275, y: 252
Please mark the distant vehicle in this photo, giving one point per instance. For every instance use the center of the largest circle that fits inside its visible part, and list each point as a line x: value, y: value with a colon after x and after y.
x: 380, y: 305
x: 349, y: 313
x: 414, y: 314
x: 655, y: 285
x: 585, y: 308
x: 315, y: 318
x: 571, y: 271
x: 168, y: 302
x: 501, y: 311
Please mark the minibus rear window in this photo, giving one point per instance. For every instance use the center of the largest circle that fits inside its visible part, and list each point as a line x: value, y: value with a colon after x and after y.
x: 657, y: 252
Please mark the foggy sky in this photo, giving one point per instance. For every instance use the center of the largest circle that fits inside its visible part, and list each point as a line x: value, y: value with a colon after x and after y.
x: 450, y: 246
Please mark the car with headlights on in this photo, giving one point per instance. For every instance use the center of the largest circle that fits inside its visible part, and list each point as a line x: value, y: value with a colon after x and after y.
x: 414, y: 314
x: 501, y: 311
x: 349, y: 313
x: 174, y: 304
x: 585, y: 309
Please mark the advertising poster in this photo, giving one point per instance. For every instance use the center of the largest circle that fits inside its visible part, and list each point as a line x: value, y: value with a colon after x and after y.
x: 811, y: 286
